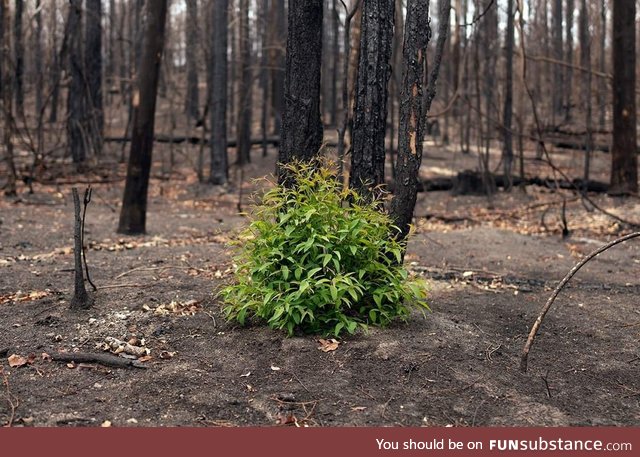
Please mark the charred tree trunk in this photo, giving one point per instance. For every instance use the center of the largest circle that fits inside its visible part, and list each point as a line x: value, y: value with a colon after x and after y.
x: 219, y: 173
x: 568, y: 80
x: 81, y: 299
x: 301, y: 123
x: 243, y: 128
x: 558, y: 86
x: 335, y: 45
x: 54, y: 75
x: 416, y: 38
x: 507, y: 148
x: 342, y: 129
x: 370, y: 109
x: 18, y: 43
x: 110, y: 71
x: 191, y: 30
x: 39, y: 69
x: 585, y: 62
x: 4, y: 60
x: 602, y: 84
x: 624, y: 154
x: 93, y: 68
x: 134, y: 202
x: 277, y: 47
x: 264, y: 74
x: 76, y: 107
x: 7, y: 99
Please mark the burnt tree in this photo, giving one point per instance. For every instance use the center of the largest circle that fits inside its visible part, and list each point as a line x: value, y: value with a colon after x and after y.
x: 558, y: 75
x: 243, y: 127
x: 93, y: 69
x: 191, y: 30
x: 134, y: 202
x: 7, y: 98
x: 39, y: 65
x: 417, y: 34
x: 76, y: 106
x: 18, y: 62
x: 219, y: 173
x: 301, y: 123
x: 624, y: 155
x: 507, y: 147
x: 370, y: 109
x: 277, y: 45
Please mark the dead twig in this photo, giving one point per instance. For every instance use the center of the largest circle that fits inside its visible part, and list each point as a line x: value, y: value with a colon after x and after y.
x: 546, y: 383
x: 554, y: 295
x: 166, y: 267
x: 12, y: 400
x: 117, y: 286
x: 299, y: 382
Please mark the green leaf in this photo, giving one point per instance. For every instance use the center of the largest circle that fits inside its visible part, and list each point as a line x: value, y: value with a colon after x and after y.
x: 353, y: 293
x: 285, y: 272
x: 327, y: 259
x: 334, y: 292
x: 352, y: 326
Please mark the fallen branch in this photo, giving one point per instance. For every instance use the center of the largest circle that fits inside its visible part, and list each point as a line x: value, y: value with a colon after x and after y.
x: 554, y: 295
x: 103, y: 359
x: 470, y: 183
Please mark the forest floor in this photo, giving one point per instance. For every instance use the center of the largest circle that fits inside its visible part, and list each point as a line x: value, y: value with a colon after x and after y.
x: 491, y: 267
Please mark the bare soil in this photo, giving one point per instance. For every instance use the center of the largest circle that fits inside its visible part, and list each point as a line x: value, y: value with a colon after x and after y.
x: 491, y: 266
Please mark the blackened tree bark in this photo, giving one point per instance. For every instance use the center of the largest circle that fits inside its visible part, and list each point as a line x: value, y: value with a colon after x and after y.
x: 301, y: 136
x: 490, y: 49
x: 38, y: 61
x: 7, y: 98
x: 55, y: 71
x: 277, y: 45
x: 3, y: 62
x: 585, y: 62
x: 558, y: 86
x: 624, y: 154
x: 110, y: 71
x: 568, y: 79
x: 76, y: 107
x: 342, y: 129
x: 243, y: 128
x: 134, y: 203
x: 602, y: 83
x: 417, y: 34
x: 507, y: 147
x: 370, y: 109
x: 263, y: 12
x: 191, y: 30
x: 93, y: 69
x: 335, y: 46
x: 219, y: 173
x: 18, y: 44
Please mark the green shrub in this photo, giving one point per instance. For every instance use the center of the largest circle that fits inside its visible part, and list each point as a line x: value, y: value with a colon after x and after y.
x: 320, y: 259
